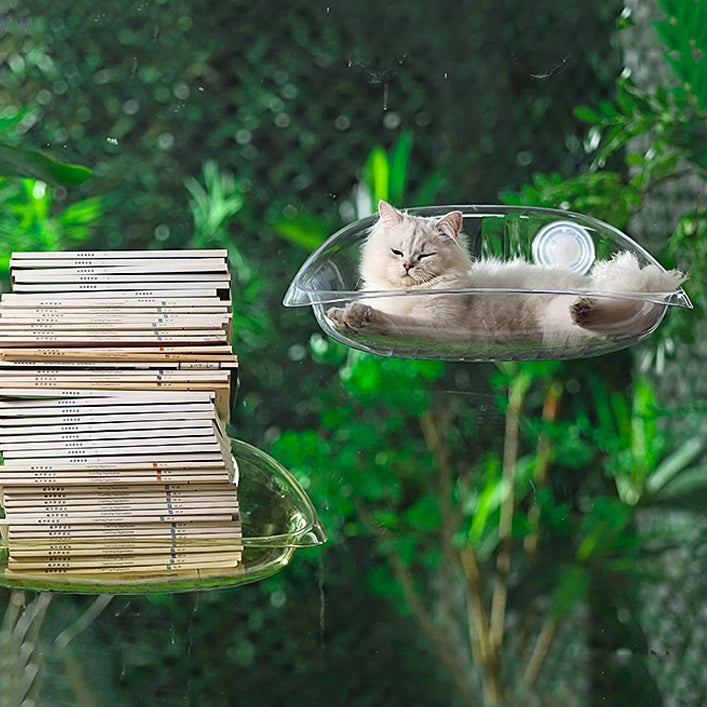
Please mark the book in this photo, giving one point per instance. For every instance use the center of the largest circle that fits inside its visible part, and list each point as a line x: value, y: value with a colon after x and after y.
x: 117, y: 254
x: 148, y: 532
x: 117, y: 375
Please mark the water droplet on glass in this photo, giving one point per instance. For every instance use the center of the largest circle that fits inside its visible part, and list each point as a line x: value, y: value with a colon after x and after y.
x: 392, y: 120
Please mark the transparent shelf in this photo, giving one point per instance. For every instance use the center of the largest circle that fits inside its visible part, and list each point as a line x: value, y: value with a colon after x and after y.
x: 277, y: 518
x: 508, y: 322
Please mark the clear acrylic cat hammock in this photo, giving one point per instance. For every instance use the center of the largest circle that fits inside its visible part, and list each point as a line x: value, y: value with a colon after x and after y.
x: 276, y: 518
x: 330, y: 281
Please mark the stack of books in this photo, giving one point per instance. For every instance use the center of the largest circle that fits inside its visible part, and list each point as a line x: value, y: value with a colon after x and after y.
x: 116, y: 382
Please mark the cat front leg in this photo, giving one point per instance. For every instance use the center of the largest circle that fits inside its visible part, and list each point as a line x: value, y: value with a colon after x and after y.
x: 357, y: 317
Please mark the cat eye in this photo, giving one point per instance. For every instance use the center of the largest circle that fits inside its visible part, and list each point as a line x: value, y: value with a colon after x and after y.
x: 425, y: 255
x: 397, y: 252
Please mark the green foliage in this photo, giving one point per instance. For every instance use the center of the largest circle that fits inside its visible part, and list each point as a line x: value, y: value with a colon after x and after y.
x: 21, y: 162
x: 304, y: 230
x: 30, y: 221
x: 571, y: 588
x: 372, y: 473
x: 29, y: 218
x: 385, y: 176
x: 427, y: 488
x: 296, y: 100
x: 684, y: 34
x: 604, y: 195
x: 603, y: 528
x: 214, y: 201
x: 213, y: 204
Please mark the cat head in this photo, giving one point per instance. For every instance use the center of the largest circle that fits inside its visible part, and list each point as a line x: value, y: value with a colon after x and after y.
x: 405, y: 251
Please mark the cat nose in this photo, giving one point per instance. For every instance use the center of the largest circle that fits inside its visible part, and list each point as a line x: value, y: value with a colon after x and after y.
x: 407, y: 267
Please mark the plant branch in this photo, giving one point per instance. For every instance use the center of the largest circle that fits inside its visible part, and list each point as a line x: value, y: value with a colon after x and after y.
x: 478, y: 627
x: 543, y: 454
x: 516, y: 393
x: 82, y: 692
x: 433, y: 433
x: 421, y: 615
x: 540, y: 651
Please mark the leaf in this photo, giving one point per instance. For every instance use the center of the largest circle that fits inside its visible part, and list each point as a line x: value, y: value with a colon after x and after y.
x: 20, y: 162
x: 304, y: 230
x: 424, y: 514
x: 643, y: 427
x: 376, y: 173
x: 666, y: 33
x: 587, y: 115
x: 602, y: 527
x: 608, y: 109
x: 399, y: 164
x: 669, y: 7
x: 427, y: 192
x: 687, y: 490
x: 700, y: 87
x: 602, y: 407
x: 677, y: 462
x: 82, y: 212
x: 489, y: 501
x: 571, y: 589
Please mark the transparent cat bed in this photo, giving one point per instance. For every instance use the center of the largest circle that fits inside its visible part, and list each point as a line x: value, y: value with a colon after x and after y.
x: 330, y: 281
x: 277, y: 518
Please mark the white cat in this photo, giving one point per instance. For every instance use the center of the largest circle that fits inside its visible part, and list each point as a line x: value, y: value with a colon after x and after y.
x: 405, y: 253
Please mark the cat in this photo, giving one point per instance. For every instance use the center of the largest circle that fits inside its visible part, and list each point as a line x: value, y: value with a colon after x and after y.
x: 406, y: 253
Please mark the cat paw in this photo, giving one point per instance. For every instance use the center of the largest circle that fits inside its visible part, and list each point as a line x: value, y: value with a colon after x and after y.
x: 336, y: 315
x: 355, y: 316
x: 582, y: 311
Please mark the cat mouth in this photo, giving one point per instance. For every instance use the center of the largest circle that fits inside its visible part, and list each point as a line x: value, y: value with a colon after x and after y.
x: 407, y: 281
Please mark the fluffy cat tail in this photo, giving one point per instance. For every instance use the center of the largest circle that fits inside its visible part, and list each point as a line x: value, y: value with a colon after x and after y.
x: 624, y: 274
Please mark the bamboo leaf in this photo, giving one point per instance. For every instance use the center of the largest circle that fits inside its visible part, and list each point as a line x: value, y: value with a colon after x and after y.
x: 20, y: 162
x: 587, y: 115
x: 643, y: 426
x: 399, y: 165
x: 489, y: 502
x: 82, y: 212
x: 428, y: 191
x: 304, y: 230
x: 687, y: 490
x: 666, y: 33
x: 377, y: 174
x: 677, y: 462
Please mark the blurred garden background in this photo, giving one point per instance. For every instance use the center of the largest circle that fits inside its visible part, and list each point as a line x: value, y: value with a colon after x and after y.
x: 499, y: 534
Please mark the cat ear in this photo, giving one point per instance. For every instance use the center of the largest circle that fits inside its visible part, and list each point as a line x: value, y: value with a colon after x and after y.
x: 389, y: 215
x: 450, y: 224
